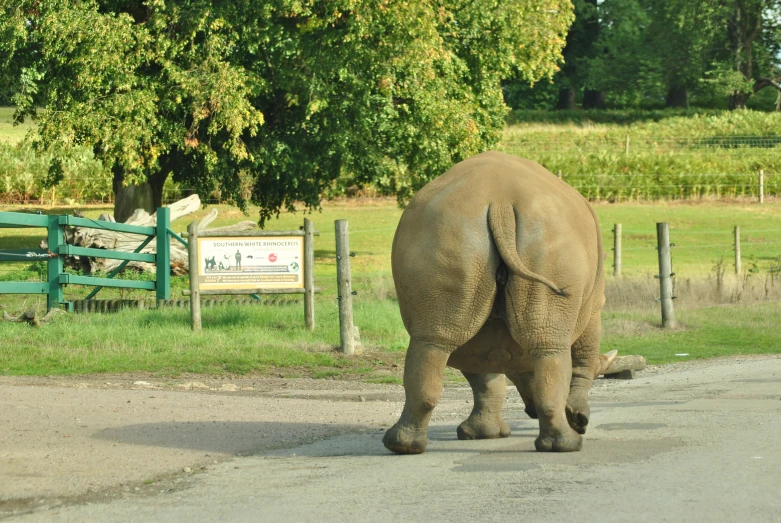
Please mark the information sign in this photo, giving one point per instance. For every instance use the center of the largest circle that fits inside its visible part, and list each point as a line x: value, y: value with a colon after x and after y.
x: 251, y: 263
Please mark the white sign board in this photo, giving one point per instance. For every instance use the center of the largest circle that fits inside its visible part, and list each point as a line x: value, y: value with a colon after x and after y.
x: 251, y: 262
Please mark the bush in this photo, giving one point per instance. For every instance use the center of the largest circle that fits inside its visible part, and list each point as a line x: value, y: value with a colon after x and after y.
x: 23, y: 175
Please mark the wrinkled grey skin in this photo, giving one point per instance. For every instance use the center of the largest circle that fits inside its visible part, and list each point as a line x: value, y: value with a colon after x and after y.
x: 499, y: 272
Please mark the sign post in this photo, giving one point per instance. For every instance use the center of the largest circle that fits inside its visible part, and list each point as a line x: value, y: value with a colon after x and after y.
x: 252, y: 262
x: 195, y: 289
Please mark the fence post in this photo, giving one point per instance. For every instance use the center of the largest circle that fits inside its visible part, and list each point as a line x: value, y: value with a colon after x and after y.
x: 558, y: 173
x: 617, y: 250
x: 626, y: 145
x: 55, y: 239
x: 737, y: 249
x: 163, y: 254
x: 665, y: 274
x: 309, y: 274
x: 195, y: 287
x: 761, y: 186
x: 343, y: 279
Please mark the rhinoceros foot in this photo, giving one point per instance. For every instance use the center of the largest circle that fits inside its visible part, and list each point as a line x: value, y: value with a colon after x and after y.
x: 405, y: 440
x: 577, y: 418
x: 571, y: 442
x: 478, y: 427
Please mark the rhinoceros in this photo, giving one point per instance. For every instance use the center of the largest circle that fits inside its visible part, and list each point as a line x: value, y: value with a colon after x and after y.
x: 498, y: 268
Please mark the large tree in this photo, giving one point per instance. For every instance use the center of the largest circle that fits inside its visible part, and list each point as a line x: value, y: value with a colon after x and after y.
x: 680, y: 45
x: 273, y: 101
x: 578, y: 52
x: 750, y: 23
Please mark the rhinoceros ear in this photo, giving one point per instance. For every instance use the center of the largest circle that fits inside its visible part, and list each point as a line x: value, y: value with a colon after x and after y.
x: 605, y: 360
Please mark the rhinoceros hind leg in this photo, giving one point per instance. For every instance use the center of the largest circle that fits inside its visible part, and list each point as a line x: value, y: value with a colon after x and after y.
x: 586, y: 365
x: 485, y: 421
x: 552, y: 369
x: 424, y: 369
x: 524, y: 383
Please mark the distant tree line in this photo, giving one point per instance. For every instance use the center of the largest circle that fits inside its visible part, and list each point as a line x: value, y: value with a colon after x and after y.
x: 671, y: 53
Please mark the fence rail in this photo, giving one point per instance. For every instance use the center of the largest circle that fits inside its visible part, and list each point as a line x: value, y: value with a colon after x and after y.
x: 57, y: 250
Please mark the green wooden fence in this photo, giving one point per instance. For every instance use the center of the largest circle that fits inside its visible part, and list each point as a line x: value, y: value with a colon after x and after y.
x: 57, y: 278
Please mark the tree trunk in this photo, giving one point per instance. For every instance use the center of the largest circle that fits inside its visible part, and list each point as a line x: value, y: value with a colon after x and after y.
x: 566, y: 100
x: 677, y: 97
x: 593, y: 99
x: 737, y: 100
x: 127, y: 198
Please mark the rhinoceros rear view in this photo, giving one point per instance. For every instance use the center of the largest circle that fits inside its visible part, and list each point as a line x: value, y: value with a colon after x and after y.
x: 498, y: 269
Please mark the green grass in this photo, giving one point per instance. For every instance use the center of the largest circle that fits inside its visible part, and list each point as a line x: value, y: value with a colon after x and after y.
x: 702, y: 333
x: 273, y: 340
x: 10, y: 133
x: 234, y: 340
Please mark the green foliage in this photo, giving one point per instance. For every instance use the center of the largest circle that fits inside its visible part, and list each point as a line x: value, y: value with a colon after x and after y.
x: 648, y: 53
x: 273, y: 101
x: 24, y: 173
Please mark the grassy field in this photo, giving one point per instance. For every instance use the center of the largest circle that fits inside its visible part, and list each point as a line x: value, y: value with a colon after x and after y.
x: 653, y: 155
x: 738, y: 318
x: 10, y: 133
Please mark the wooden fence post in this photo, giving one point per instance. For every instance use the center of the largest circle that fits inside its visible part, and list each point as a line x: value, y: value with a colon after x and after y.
x: 737, y: 249
x: 163, y: 254
x: 309, y: 274
x: 761, y: 186
x: 559, y: 174
x: 626, y: 145
x: 344, y: 283
x: 665, y: 274
x: 195, y: 288
x: 617, y: 250
x: 55, y: 265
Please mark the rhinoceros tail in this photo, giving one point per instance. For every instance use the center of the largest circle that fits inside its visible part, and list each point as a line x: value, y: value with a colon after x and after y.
x: 501, y: 221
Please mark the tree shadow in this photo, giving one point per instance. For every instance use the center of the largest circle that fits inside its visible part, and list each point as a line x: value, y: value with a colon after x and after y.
x: 227, y: 437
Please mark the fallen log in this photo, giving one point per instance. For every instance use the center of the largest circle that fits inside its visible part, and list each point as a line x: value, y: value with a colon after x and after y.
x: 31, y: 317
x: 624, y: 367
x: 97, y: 238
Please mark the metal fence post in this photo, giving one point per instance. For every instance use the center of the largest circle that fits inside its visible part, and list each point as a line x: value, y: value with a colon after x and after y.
x: 309, y: 274
x: 665, y: 274
x: 737, y: 249
x: 55, y: 239
x: 617, y: 250
x: 163, y: 258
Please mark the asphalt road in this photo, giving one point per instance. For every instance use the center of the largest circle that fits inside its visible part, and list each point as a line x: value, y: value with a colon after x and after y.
x: 691, y: 442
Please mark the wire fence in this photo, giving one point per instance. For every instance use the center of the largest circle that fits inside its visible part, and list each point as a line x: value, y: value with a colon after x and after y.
x: 730, y: 169
x: 595, y: 187
x: 592, y: 142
